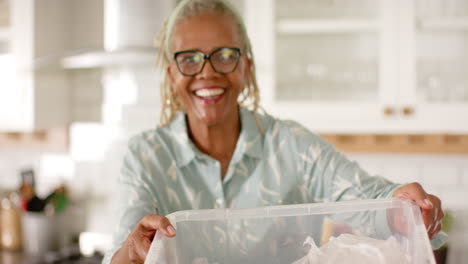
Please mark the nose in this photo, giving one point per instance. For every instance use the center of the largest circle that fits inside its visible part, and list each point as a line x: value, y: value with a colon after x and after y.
x: 207, y: 71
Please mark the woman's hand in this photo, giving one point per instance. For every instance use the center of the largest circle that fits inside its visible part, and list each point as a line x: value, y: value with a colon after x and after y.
x: 139, y: 240
x: 430, y: 205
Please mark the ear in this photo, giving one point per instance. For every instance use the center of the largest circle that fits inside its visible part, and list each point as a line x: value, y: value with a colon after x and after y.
x: 171, y: 78
x: 169, y: 73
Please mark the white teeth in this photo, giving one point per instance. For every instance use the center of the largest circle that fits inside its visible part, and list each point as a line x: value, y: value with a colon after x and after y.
x: 209, y: 92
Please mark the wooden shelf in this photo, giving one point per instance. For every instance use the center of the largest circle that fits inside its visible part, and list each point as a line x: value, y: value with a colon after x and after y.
x: 387, y: 143
x: 95, y: 59
x: 314, y: 26
x: 56, y: 139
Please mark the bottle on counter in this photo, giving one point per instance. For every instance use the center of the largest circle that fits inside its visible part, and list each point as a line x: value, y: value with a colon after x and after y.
x: 10, y: 224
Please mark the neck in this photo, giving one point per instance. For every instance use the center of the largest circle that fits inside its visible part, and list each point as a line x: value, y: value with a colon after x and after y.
x: 218, y: 141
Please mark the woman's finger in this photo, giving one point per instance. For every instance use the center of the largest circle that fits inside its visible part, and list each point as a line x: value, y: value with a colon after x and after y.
x: 430, y: 205
x: 415, y: 192
x: 437, y: 216
x: 155, y: 223
x: 142, y: 235
x: 435, y: 229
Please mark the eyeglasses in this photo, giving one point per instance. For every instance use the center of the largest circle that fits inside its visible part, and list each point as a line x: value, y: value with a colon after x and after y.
x: 192, y: 62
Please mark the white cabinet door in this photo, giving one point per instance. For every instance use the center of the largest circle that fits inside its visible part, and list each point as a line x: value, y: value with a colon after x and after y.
x: 34, y: 92
x: 436, y: 81
x: 327, y: 64
x: 362, y: 66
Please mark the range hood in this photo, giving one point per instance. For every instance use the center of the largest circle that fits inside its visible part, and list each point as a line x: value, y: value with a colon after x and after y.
x: 127, y: 34
x: 106, y: 58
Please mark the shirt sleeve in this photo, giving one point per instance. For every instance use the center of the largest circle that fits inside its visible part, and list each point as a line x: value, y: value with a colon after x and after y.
x: 335, y: 178
x: 135, y: 198
x: 329, y: 175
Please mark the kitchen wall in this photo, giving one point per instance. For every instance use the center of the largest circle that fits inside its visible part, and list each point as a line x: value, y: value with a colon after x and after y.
x: 111, y: 104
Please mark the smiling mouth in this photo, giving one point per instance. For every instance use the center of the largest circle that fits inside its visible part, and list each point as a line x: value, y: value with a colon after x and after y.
x: 209, y: 93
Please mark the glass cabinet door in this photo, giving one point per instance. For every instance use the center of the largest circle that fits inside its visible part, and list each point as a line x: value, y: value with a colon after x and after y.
x: 327, y: 50
x: 327, y: 9
x: 327, y: 67
x: 377, y: 66
x: 441, y: 51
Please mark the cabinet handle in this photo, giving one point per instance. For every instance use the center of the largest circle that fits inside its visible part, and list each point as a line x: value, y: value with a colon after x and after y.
x: 389, y: 111
x: 407, y: 111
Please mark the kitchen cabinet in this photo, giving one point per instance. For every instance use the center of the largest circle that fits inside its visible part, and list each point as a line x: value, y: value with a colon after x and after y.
x: 33, y: 92
x: 363, y: 66
x: 46, y: 45
x: 107, y: 77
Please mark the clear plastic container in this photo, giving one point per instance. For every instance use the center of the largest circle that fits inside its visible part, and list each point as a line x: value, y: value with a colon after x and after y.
x: 277, y: 234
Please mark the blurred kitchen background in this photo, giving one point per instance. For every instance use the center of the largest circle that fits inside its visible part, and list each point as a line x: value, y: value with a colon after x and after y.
x: 386, y: 81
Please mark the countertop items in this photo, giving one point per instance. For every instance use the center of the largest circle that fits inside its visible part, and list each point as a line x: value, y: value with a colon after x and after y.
x: 69, y: 255
x: 55, y: 202
x: 10, y: 224
x: 31, y: 224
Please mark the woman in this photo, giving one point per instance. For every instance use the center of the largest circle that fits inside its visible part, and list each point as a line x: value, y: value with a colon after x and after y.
x: 212, y: 152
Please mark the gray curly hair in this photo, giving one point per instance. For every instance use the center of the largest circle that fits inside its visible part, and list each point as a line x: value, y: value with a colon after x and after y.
x: 249, y: 96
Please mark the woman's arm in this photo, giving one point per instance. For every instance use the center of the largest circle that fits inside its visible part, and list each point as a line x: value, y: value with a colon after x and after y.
x: 334, y: 177
x: 138, y: 206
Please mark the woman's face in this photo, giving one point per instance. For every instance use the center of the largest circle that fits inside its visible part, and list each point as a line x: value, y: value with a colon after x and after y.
x: 209, y: 98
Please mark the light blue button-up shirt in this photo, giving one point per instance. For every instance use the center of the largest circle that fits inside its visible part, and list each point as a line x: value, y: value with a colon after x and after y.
x: 164, y: 172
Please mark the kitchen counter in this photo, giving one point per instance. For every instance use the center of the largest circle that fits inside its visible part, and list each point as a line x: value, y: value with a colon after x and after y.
x: 19, y: 257
x: 15, y: 257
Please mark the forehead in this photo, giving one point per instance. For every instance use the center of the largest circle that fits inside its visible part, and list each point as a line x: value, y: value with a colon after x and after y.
x: 206, y: 32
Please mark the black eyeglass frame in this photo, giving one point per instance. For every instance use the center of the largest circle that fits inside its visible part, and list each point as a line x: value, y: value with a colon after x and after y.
x: 207, y: 57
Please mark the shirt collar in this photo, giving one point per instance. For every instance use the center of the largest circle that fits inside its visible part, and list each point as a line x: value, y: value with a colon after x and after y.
x: 249, y: 142
x: 184, y: 148
x: 250, y: 139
